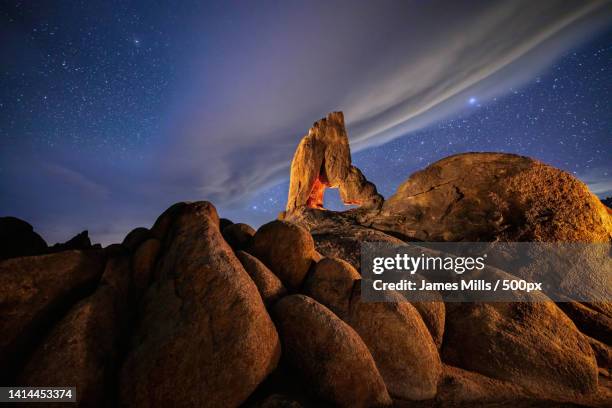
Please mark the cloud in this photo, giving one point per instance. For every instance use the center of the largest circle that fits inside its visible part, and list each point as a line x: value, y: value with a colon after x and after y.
x: 392, y: 67
x: 248, y: 82
x: 67, y: 177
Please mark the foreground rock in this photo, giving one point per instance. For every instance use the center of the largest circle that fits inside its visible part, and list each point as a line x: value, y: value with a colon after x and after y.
x: 270, y: 287
x: 590, y: 321
x: 34, y: 293
x: 143, y: 263
x: 495, y: 196
x: 82, y: 350
x: 238, y: 236
x: 287, y: 249
x: 331, y: 283
x: 136, y: 237
x: 530, y: 344
x: 400, y: 343
x: 434, y: 315
x: 331, y: 357
x: 339, y: 234
x: 204, y: 337
x: 323, y: 160
x: 459, y: 386
x: 18, y: 238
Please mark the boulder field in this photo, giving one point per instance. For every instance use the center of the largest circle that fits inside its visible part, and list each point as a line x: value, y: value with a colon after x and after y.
x: 197, y: 311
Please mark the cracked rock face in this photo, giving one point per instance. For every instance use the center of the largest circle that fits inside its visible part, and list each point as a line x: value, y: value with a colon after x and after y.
x: 204, y: 337
x: 323, y: 160
x: 494, y: 196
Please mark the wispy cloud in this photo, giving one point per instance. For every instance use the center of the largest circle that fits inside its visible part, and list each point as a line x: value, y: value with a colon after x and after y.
x: 72, y: 178
x: 392, y: 70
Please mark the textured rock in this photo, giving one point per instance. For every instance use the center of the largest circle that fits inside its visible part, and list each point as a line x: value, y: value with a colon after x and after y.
x: 433, y: 315
x: 495, y: 196
x: 143, y: 263
x: 204, y: 336
x: 18, y: 238
x: 82, y: 349
x: 36, y: 290
x: 400, y: 343
x: 333, y: 359
x: 339, y: 234
x: 466, y: 388
x: 589, y: 321
x: 533, y: 345
x: 603, y: 353
x: 287, y: 249
x: 323, y: 160
x: 270, y: 287
x: 238, y: 236
x: 331, y: 284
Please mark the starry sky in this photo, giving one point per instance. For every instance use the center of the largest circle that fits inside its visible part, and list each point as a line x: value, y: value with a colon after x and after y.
x: 111, y: 111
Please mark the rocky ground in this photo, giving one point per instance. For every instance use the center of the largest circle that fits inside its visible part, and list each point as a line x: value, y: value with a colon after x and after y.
x: 197, y: 311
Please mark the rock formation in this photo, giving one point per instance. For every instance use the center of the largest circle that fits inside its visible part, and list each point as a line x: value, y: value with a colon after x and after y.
x: 204, y: 336
x: 324, y: 349
x: 18, y: 238
x: 199, y: 311
x: 494, y: 196
x: 323, y: 160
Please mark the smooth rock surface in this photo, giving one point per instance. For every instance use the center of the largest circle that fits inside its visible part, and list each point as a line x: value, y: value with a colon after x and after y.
x: 400, y: 343
x: 287, y: 249
x: 329, y: 354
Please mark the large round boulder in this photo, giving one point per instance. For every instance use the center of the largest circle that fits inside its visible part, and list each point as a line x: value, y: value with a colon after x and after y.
x: 400, y: 343
x: 534, y: 345
x: 270, y: 287
x: 287, y: 249
x: 433, y: 315
x: 238, y: 236
x: 136, y: 237
x: 331, y: 356
x: 495, y: 197
x: 331, y: 283
x: 204, y: 337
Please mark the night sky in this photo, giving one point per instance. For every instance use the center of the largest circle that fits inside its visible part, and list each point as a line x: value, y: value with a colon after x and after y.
x: 110, y: 112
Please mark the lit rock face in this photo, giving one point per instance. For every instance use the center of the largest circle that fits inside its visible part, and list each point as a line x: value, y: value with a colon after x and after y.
x: 323, y: 160
x: 494, y: 197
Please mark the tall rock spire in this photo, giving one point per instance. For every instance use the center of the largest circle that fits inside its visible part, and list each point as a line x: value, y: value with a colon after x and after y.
x: 323, y: 160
